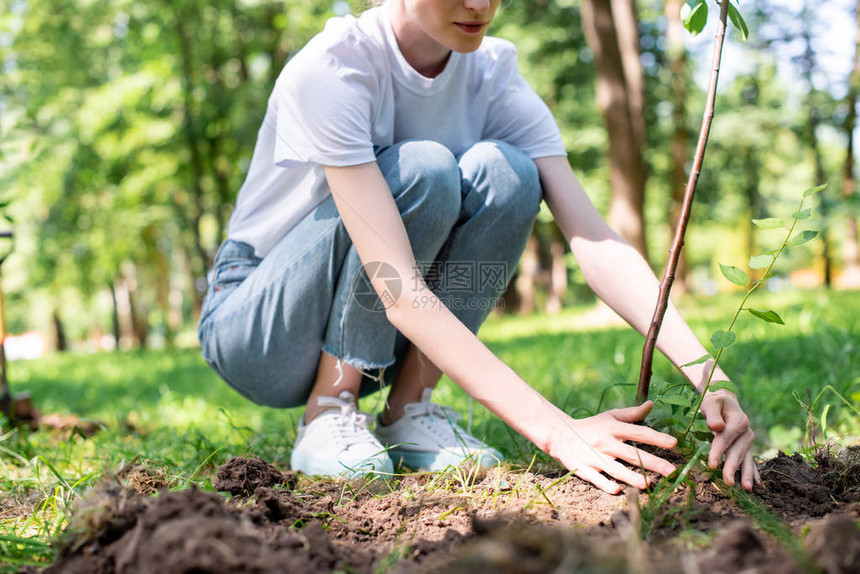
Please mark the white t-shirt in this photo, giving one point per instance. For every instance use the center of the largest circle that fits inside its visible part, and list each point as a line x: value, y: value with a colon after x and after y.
x: 350, y: 89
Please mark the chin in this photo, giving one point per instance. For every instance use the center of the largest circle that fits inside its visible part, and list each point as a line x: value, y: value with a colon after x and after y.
x: 464, y: 47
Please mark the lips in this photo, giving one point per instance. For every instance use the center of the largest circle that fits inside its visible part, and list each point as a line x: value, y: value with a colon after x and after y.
x: 471, y: 27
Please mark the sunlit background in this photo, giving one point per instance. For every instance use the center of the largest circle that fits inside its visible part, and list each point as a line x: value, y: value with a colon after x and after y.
x: 127, y: 129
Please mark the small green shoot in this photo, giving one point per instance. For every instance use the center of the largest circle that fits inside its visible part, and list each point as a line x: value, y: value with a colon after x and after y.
x: 721, y: 340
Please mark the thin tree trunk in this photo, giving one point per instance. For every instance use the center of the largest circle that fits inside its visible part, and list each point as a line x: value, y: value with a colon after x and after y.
x: 752, y: 171
x: 626, y: 168
x: 645, y: 371
x: 809, y: 63
x: 820, y: 178
x: 680, y: 141
x: 60, y: 340
x: 162, y: 294
x: 139, y: 325
x: 851, y: 250
x: 124, y: 316
x: 192, y: 136
x: 527, y: 279
x: 627, y: 26
x: 557, y: 273
x: 117, y: 330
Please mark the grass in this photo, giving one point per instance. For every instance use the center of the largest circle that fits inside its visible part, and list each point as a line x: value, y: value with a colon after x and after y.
x: 169, y: 410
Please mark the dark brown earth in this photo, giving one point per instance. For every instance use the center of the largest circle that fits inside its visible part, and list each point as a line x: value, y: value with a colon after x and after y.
x: 498, y: 521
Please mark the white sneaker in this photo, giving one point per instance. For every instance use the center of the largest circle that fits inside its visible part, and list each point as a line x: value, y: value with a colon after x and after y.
x: 427, y: 437
x: 337, y: 442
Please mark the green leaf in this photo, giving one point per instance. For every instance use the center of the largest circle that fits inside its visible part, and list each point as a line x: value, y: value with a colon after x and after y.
x: 735, y: 275
x: 802, y: 237
x: 814, y: 190
x: 698, y: 361
x: 760, y: 261
x: 722, y: 339
x: 4, y: 204
x: 728, y: 385
x: 769, y: 223
x: 738, y: 21
x: 802, y: 214
x: 694, y: 16
x: 768, y: 316
x: 700, y: 426
x: 678, y: 400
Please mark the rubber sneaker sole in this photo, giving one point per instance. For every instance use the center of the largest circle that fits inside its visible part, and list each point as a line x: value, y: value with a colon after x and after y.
x: 310, y: 465
x: 441, y: 460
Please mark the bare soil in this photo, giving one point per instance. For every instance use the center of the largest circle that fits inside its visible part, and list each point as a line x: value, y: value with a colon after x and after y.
x: 499, y: 521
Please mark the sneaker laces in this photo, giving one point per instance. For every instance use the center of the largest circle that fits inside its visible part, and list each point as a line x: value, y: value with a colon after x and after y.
x: 351, y: 424
x: 441, y: 421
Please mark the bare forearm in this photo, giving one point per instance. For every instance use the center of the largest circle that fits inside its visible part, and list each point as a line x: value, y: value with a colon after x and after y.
x: 470, y: 364
x: 633, y: 295
x: 374, y: 224
x: 616, y: 271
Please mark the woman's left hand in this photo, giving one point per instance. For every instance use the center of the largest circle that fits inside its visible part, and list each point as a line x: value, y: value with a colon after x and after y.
x: 733, y: 437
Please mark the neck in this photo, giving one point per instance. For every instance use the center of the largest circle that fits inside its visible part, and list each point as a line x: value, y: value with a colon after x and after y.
x: 426, y: 56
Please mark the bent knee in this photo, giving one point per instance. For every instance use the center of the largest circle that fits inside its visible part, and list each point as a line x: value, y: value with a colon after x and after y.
x: 428, y: 161
x: 516, y: 189
x: 427, y: 179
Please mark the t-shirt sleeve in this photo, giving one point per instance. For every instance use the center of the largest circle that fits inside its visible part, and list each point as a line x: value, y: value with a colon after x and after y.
x: 516, y: 114
x: 323, y: 109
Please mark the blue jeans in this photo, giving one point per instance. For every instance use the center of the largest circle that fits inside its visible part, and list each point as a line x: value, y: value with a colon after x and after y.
x: 265, y: 321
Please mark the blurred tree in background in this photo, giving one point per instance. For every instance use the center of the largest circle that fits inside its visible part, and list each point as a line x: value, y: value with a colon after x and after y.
x: 130, y: 126
x: 126, y: 129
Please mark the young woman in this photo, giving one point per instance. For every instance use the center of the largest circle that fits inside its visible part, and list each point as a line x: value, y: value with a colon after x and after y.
x: 403, y: 148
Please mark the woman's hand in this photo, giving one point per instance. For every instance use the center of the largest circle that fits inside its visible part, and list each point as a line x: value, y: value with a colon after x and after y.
x: 733, y: 437
x: 591, y: 446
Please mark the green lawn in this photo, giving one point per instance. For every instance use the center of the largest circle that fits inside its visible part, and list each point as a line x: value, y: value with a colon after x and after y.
x: 169, y: 409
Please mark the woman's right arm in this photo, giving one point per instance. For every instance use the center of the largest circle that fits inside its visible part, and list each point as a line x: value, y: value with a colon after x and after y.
x: 585, y: 446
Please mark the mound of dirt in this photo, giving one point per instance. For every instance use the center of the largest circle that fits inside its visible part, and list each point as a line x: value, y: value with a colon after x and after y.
x: 741, y: 548
x: 241, y: 476
x: 834, y: 544
x: 195, y: 531
x: 505, y: 521
x: 797, y: 491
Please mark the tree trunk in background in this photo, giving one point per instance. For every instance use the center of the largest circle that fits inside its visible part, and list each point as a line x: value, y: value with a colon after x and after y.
x: 752, y: 174
x: 137, y: 314
x: 627, y: 27
x: 820, y: 178
x: 60, y: 340
x: 124, y: 316
x: 527, y: 279
x: 677, y: 54
x: 752, y: 181
x: 200, y: 260
x: 851, y: 250
x: 117, y: 329
x: 162, y: 295
x: 557, y: 287
x: 809, y: 63
x: 626, y: 167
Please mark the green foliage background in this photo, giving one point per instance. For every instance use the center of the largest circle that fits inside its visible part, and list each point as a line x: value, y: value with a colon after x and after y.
x: 127, y: 129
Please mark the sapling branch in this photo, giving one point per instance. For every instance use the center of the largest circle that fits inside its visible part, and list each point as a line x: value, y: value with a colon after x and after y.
x: 645, y: 370
x: 742, y: 307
